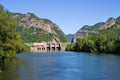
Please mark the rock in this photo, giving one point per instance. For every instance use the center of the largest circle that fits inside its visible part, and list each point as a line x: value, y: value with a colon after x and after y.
x: 85, y: 30
x: 48, y: 27
x: 109, y: 23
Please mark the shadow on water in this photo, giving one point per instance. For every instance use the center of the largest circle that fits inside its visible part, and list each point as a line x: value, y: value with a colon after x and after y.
x: 8, y: 69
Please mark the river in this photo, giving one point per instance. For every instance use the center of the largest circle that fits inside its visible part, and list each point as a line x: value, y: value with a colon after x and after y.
x: 61, y: 66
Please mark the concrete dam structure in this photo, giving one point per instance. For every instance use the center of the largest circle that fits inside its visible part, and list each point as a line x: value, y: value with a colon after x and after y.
x: 46, y: 47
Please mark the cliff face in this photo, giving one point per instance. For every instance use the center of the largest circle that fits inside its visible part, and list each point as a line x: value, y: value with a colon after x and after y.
x: 38, y: 28
x: 109, y: 23
x: 82, y: 33
x: 95, y: 29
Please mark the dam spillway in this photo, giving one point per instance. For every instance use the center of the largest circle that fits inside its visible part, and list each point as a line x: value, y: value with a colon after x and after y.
x: 45, y: 47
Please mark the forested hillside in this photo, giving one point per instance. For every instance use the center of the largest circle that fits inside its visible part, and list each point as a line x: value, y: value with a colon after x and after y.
x: 34, y: 29
x: 106, y: 40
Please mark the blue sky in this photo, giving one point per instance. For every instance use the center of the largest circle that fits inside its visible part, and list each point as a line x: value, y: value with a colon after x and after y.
x: 70, y: 15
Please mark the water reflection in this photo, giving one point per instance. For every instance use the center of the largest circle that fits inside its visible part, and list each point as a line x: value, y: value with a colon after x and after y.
x: 61, y: 66
x: 10, y: 70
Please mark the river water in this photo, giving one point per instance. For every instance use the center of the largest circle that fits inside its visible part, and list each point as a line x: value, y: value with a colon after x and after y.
x: 61, y: 66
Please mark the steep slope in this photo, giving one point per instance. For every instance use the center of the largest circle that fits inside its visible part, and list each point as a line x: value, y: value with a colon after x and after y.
x: 34, y: 29
x: 113, y: 32
x: 109, y: 23
x: 96, y: 29
x: 106, y: 41
x: 70, y: 37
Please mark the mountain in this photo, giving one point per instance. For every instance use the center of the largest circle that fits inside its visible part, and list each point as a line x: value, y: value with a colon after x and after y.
x: 34, y: 29
x: 95, y: 29
x: 70, y: 37
x: 109, y: 23
x: 103, y: 38
x: 113, y: 32
x: 92, y: 28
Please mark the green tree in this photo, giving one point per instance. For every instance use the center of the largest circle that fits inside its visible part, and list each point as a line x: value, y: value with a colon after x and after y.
x: 79, y: 44
x: 110, y: 47
x: 10, y: 41
x: 70, y: 47
x: 117, y: 45
x: 101, y: 43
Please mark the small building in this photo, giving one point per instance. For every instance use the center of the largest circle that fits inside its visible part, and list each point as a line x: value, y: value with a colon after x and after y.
x: 45, y: 47
x: 39, y: 46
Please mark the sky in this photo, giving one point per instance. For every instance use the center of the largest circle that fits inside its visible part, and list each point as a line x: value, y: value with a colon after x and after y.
x: 69, y: 15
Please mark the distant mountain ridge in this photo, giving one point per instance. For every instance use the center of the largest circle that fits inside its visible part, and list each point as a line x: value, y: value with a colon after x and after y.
x: 102, y: 38
x: 34, y: 29
x: 96, y: 29
x: 70, y: 37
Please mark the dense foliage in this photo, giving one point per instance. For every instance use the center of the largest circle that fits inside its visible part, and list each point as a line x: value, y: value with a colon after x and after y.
x: 107, y: 41
x: 95, y: 44
x: 10, y: 41
x: 33, y: 34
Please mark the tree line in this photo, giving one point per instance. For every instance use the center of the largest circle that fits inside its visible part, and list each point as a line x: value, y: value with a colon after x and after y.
x: 10, y: 40
x: 96, y: 44
x: 107, y: 41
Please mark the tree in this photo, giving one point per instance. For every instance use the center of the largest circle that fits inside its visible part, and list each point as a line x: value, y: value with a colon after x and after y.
x: 117, y: 45
x: 110, y: 47
x: 79, y: 44
x: 10, y: 41
x: 101, y: 43
x: 70, y: 47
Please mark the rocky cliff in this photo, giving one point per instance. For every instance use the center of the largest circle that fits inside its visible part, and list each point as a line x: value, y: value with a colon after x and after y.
x: 109, y: 23
x: 95, y: 29
x: 34, y: 29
